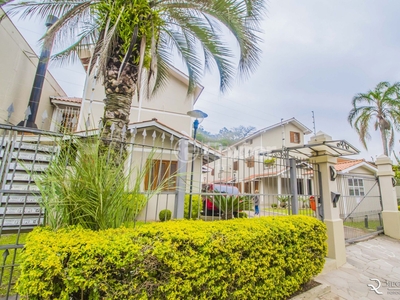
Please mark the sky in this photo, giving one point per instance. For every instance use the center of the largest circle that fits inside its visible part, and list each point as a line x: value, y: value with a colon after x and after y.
x: 317, y: 55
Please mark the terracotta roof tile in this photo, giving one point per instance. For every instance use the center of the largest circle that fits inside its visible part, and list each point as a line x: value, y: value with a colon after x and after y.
x: 344, y: 164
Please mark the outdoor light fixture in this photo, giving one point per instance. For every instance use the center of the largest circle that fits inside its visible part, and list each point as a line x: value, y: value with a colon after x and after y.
x: 333, y: 173
x: 335, y: 198
x: 199, y: 117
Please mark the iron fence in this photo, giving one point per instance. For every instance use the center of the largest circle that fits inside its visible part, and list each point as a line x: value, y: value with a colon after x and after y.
x: 360, y: 207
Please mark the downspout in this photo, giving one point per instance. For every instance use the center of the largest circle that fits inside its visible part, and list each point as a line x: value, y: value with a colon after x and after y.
x: 36, y: 91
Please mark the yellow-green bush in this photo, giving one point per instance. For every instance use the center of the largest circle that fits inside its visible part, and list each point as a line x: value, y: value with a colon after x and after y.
x: 197, y: 206
x: 262, y: 258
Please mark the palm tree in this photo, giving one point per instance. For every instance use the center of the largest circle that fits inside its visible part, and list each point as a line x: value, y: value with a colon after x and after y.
x: 134, y: 41
x: 381, y: 106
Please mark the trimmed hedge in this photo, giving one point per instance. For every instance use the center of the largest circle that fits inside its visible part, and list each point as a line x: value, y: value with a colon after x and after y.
x: 262, y: 258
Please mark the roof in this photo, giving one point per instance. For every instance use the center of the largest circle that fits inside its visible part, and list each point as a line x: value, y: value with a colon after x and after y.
x: 153, y: 124
x: 66, y: 99
x: 345, y: 165
x: 301, y: 126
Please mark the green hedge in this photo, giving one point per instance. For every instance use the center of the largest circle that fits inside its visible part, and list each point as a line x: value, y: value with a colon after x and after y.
x: 262, y: 258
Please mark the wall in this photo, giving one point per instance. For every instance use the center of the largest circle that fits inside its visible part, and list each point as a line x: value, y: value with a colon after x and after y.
x: 18, y: 64
x: 169, y: 106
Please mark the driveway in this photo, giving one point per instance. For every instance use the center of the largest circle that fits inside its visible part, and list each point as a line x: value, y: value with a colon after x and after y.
x: 373, y: 262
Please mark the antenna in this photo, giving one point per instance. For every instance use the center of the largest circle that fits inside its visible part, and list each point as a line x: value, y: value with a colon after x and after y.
x: 313, y: 120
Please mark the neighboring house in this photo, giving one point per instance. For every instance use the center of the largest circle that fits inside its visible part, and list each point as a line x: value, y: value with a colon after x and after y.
x: 155, y: 149
x: 18, y: 68
x: 243, y: 163
x: 357, y: 183
x: 169, y: 105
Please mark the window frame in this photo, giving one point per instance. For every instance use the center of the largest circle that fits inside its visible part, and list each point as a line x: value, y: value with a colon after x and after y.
x: 356, y: 187
x: 295, y: 137
x: 166, y: 175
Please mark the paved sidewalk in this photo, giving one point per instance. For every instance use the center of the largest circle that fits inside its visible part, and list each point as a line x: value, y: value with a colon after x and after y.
x: 377, y: 258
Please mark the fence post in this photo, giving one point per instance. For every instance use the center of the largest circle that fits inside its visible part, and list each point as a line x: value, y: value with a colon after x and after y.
x: 181, y: 178
x: 334, y: 225
x: 390, y: 213
x: 293, y: 186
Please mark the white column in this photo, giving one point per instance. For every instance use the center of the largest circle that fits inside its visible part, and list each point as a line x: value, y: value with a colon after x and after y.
x: 390, y: 213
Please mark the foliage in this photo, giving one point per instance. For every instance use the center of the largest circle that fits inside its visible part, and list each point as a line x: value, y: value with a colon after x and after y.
x: 7, y: 262
x: 274, y: 205
x: 380, y: 106
x: 197, y: 206
x: 396, y: 170
x: 242, y: 214
x: 165, y: 215
x: 269, y: 161
x: 225, y: 137
x: 283, y: 200
x: 229, y: 204
x: 262, y: 258
x: 304, y: 200
x: 82, y: 187
x: 133, y: 43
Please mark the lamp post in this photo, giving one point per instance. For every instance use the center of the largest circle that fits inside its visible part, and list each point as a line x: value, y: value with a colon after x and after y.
x: 199, y: 117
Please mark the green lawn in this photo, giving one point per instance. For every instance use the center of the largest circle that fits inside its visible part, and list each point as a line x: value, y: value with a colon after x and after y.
x: 361, y: 225
x: 6, y: 265
x: 284, y: 211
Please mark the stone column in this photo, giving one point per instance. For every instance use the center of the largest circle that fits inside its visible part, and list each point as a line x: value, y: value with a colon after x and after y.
x: 335, y: 231
x: 390, y: 213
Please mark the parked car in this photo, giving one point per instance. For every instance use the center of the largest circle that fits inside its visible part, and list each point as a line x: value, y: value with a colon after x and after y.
x: 211, y: 203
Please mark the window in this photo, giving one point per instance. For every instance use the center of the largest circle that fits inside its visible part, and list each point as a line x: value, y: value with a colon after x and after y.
x: 235, y: 165
x: 161, y: 172
x: 295, y: 137
x: 356, y: 187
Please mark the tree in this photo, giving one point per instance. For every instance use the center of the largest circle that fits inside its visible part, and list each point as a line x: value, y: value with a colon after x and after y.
x: 380, y: 106
x: 130, y: 37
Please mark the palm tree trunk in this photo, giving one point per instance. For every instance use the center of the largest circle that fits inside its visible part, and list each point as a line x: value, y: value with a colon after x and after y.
x: 119, y: 92
x: 384, y: 140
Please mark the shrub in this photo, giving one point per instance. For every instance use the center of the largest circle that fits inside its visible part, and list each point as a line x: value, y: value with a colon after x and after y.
x: 197, y: 206
x: 283, y: 200
x: 229, y: 204
x: 81, y: 187
x: 269, y: 161
x: 262, y: 258
x: 274, y: 205
x: 242, y: 214
x: 165, y: 215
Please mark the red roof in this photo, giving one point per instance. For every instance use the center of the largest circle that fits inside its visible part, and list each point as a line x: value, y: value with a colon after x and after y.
x: 343, y: 164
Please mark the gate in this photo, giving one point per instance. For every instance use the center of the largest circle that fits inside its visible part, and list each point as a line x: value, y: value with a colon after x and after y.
x: 284, y: 184
x: 360, y: 207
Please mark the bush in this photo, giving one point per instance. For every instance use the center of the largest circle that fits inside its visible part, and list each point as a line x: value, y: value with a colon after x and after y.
x: 165, y: 215
x: 283, y: 200
x: 81, y: 187
x: 262, y: 258
x: 197, y: 206
x: 242, y: 214
x: 274, y: 205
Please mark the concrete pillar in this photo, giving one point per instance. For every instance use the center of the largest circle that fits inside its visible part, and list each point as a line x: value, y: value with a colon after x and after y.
x: 335, y: 231
x: 390, y: 213
x: 181, y: 179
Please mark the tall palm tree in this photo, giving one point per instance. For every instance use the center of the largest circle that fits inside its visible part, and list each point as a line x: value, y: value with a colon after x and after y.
x: 380, y: 106
x: 135, y: 40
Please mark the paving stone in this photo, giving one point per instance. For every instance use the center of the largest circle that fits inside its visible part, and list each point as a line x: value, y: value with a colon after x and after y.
x: 375, y: 258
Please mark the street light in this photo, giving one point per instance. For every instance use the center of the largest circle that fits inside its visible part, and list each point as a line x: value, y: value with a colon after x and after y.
x: 199, y: 117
